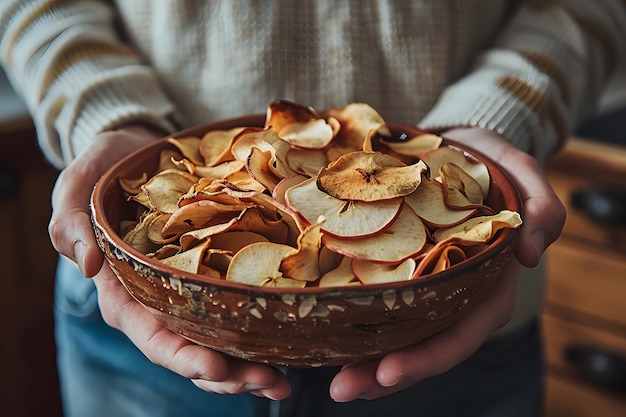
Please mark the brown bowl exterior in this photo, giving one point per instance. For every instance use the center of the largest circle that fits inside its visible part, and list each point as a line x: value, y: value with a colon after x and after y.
x: 304, y: 327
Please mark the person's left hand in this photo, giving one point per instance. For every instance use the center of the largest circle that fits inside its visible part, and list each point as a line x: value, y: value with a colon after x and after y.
x: 543, y: 216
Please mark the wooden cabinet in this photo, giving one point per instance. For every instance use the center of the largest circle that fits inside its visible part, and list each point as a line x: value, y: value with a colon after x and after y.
x: 28, y: 375
x: 584, y: 320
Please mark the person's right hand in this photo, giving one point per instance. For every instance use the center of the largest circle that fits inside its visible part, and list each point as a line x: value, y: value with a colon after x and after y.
x: 72, y: 236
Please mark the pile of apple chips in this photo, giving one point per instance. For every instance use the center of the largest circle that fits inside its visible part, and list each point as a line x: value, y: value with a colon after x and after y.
x: 313, y: 199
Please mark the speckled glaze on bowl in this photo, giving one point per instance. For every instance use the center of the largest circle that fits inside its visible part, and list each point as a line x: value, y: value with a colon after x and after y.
x: 304, y: 327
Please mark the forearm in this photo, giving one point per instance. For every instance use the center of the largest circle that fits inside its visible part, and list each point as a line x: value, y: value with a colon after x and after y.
x: 542, y: 76
x: 76, y: 76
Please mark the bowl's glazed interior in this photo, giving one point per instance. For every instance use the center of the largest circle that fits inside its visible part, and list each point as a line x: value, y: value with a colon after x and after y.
x: 303, y: 327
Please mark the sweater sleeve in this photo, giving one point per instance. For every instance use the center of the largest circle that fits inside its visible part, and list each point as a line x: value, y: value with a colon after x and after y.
x: 76, y: 76
x: 542, y: 76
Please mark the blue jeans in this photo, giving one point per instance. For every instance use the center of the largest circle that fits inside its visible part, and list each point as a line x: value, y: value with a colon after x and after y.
x: 103, y: 374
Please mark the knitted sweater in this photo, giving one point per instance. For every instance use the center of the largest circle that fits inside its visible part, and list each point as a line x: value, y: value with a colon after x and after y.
x: 529, y: 72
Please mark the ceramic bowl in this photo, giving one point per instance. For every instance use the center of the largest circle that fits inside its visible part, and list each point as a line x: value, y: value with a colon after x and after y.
x: 304, y: 327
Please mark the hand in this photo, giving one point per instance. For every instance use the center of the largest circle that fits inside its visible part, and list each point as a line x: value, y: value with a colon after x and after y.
x: 543, y: 216
x: 72, y: 235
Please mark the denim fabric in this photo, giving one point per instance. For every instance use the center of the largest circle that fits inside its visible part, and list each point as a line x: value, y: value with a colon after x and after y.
x: 103, y: 374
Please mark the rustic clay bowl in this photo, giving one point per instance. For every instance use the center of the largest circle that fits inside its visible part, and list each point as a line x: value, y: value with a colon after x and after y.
x: 304, y: 327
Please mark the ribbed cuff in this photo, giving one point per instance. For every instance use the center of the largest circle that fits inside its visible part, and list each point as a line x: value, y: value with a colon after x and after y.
x: 478, y: 101
x: 114, y: 98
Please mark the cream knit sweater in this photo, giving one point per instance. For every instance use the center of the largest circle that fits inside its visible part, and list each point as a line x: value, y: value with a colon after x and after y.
x: 530, y: 72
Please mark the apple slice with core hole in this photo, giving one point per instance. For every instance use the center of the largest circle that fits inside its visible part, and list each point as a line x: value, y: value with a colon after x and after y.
x: 369, y: 176
x: 347, y: 219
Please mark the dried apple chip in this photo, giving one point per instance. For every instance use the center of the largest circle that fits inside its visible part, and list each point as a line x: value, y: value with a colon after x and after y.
x: 165, y: 251
x: 250, y: 219
x: 442, y: 256
x: 481, y: 229
x: 446, y: 154
x: 259, y: 166
x: 165, y: 188
x: 222, y: 170
x: 428, y: 202
x: 215, y: 146
x: 281, y: 188
x: 313, y: 134
x: 208, y: 271
x: 347, y: 219
x: 340, y: 276
x: 234, y: 241
x: 372, y: 273
x: 167, y: 158
x: 241, y: 180
x: 303, y: 264
x: 300, y: 125
x: 369, y: 176
x: 273, y: 209
x: 137, y: 237
x: 155, y: 228
x: 306, y: 161
x: 415, y: 146
x: 267, y: 141
x: 200, y: 214
x: 133, y: 185
x: 405, y: 238
x: 245, y: 267
x: 358, y: 121
x: 281, y: 113
x: 461, y: 190
x: 189, y: 147
x: 189, y: 260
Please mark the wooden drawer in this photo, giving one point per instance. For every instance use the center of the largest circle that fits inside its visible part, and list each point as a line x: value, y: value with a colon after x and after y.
x: 587, y: 280
x: 569, y: 331
x: 585, y: 166
x: 567, y: 399
x: 578, y: 225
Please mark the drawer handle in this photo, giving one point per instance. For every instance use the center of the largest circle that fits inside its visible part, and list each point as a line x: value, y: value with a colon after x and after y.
x: 8, y: 182
x: 599, y: 366
x: 601, y: 205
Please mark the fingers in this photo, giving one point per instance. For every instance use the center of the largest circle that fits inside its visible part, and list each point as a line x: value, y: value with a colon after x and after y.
x: 403, y: 368
x: 257, y: 379
x: 208, y: 369
x: 544, y: 214
x: 70, y: 226
x: 161, y: 346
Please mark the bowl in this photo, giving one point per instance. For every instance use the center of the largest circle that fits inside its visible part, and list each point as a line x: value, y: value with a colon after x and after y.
x: 295, y: 327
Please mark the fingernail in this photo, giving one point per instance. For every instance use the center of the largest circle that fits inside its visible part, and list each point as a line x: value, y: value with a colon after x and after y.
x: 254, y: 387
x: 390, y: 383
x: 270, y: 396
x: 79, y: 254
